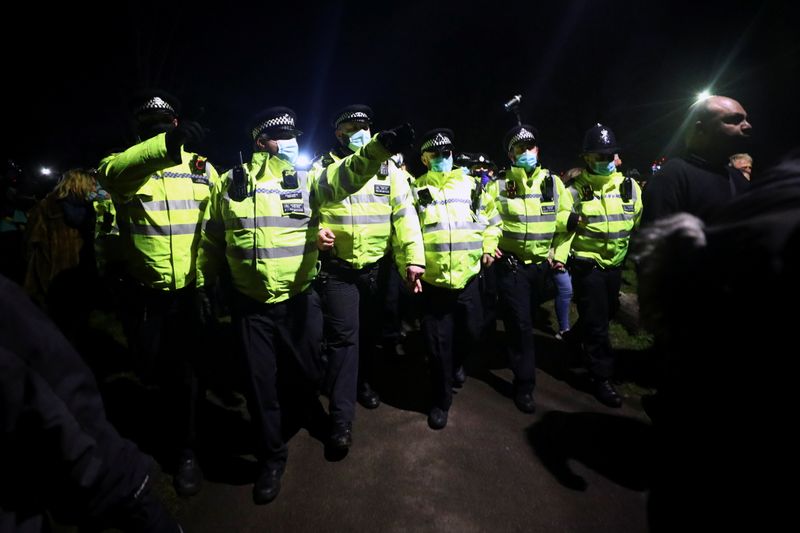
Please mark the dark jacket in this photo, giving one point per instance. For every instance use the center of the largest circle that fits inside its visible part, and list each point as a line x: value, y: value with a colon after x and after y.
x: 58, y: 452
x: 690, y: 184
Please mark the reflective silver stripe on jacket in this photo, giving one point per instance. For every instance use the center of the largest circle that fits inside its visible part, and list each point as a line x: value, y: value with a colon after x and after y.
x: 453, y: 247
x: 358, y: 219
x: 586, y: 232
x: 530, y: 218
x: 174, y: 229
x: 610, y: 218
x: 443, y: 226
x: 267, y: 221
x: 278, y: 252
x: 527, y: 236
x: 169, y: 205
x: 368, y: 199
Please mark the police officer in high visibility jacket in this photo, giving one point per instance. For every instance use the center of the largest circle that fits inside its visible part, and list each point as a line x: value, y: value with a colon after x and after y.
x: 356, y: 234
x: 534, y: 207
x: 606, y: 208
x: 263, y: 220
x: 161, y: 192
x: 460, y: 227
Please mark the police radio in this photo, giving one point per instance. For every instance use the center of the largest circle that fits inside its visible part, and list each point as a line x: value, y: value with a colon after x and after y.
x: 626, y: 189
x: 238, y: 188
x: 476, y: 197
x: 289, y: 180
x: 424, y: 196
x: 547, y: 188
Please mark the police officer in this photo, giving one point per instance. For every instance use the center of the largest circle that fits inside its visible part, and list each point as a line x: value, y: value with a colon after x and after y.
x: 356, y: 234
x: 483, y: 170
x: 263, y: 222
x: 534, y: 207
x: 606, y: 208
x: 459, y: 229
x: 161, y: 191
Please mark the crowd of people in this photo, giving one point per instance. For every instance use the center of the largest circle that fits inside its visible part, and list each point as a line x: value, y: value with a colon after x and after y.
x: 311, y: 261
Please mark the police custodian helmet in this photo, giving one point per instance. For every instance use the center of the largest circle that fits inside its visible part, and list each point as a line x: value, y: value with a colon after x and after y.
x: 600, y: 140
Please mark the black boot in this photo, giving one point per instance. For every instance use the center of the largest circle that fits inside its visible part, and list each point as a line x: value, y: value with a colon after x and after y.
x: 605, y: 392
x: 188, y: 476
x: 368, y: 397
x: 459, y: 377
x: 341, y: 436
x: 437, y: 418
x: 524, y: 401
x: 267, y: 486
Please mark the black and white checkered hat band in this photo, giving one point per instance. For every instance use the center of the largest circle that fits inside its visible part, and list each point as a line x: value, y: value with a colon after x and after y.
x: 352, y: 116
x: 522, y: 135
x: 155, y: 104
x: 436, y: 142
x: 281, y: 120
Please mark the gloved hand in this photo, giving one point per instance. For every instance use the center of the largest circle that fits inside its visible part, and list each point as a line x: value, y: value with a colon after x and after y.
x: 187, y: 131
x: 205, y: 311
x: 397, y: 139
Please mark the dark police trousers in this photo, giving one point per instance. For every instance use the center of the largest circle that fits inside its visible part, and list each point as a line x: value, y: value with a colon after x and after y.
x: 281, y: 347
x: 597, y: 298
x: 163, y: 334
x: 451, y: 325
x: 352, y: 305
x: 518, y: 286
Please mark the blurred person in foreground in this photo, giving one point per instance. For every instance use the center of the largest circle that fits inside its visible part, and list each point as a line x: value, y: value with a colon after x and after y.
x: 724, y: 422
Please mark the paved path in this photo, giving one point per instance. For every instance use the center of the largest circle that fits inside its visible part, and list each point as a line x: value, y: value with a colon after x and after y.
x: 574, y: 466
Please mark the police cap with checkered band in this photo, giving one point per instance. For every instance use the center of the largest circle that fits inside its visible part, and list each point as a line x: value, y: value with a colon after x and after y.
x: 522, y: 133
x: 154, y: 101
x: 437, y: 140
x: 353, y: 113
x: 276, y: 122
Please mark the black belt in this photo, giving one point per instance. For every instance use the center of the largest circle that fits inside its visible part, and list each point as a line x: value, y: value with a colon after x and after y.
x: 588, y: 264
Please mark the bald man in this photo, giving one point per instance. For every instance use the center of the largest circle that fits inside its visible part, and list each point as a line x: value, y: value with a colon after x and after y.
x: 701, y: 181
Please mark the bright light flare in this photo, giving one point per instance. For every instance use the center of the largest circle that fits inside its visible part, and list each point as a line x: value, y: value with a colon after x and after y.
x: 702, y: 95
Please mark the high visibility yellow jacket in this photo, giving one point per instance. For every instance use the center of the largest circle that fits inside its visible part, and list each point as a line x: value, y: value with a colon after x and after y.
x: 611, y: 218
x: 160, y: 207
x: 459, y: 224
x: 363, y: 221
x: 269, y: 237
x: 532, y: 224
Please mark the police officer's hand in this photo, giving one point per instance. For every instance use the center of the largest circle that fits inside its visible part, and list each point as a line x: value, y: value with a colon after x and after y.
x: 203, y: 307
x: 397, y: 139
x: 186, y: 132
x: 414, y: 278
x: 325, y: 239
x: 558, y: 266
x: 487, y: 260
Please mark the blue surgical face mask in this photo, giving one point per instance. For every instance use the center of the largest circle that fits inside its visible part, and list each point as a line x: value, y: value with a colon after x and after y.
x: 526, y: 160
x: 603, y: 168
x: 359, y: 139
x: 288, y: 150
x: 442, y: 164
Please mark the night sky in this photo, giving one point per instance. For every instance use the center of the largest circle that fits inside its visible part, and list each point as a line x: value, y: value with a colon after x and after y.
x: 629, y: 64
